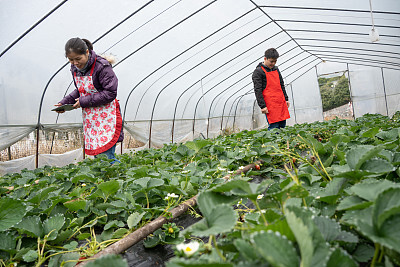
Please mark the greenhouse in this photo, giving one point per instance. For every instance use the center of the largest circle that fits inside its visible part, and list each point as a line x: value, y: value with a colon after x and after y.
x: 323, y: 190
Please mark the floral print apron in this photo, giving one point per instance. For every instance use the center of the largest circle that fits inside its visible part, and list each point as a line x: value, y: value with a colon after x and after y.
x: 101, y: 125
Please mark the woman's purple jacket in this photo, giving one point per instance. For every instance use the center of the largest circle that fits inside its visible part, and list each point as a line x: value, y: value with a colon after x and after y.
x: 104, y: 80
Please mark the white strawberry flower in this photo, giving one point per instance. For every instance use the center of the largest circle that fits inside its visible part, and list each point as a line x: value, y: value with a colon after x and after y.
x: 173, y: 195
x: 260, y: 196
x: 241, y: 167
x: 189, y: 249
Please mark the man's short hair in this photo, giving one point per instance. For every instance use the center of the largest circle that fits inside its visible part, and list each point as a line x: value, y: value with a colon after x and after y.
x: 271, y: 53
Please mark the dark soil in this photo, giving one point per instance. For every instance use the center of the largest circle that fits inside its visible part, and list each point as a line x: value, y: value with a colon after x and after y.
x: 139, y: 256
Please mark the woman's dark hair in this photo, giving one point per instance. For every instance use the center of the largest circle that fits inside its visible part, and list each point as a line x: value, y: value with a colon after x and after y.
x: 78, y: 46
x: 271, y: 53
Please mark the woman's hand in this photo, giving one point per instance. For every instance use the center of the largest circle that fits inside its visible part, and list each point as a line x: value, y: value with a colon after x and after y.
x: 59, y: 105
x: 288, y: 104
x: 77, y: 104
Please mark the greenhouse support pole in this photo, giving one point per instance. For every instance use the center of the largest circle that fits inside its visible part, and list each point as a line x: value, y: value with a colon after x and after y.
x: 351, y: 93
x: 83, y: 149
x: 277, y: 24
x: 223, y: 109
x: 316, y: 73
x: 252, y: 116
x: 233, y: 103
x: 32, y: 27
x: 384, y: 91
x: 122, y: 142
x: 37, y: 147
x: 294, y: 107
x: 171, y: 60
x: 234, y: 117
x: 9, y: 153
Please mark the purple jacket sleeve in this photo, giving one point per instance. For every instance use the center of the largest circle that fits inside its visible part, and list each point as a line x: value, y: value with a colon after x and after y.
x: 70, y: 99
x: 106, y: 83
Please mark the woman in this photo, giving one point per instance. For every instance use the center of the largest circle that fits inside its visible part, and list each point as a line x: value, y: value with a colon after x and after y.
x: 96, y: 94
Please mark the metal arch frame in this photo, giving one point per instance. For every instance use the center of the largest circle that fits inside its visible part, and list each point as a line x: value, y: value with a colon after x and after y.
x: 346, y: 41
x: 333, y: 9
x: 99, y: 38
x: 339, y: 32
x: 209, y: 111
x: 223, y: 109
x: 294, y: 106
x: 63, y: 66
x: 364, y: 60
x: 194, y: 115
x: 155, y: 101
x: 360, y: 54
x: 114, y: 27
x: 32, y: 27
x: 244, y: 77
x: 289, y: 84
x: 95, y: 41
x: 257, y: 59
x: 297, y: 62
x: 117, y: 25
x: 198, y: 101
x: 322, y: 53
x: 115, y: 45
x: 350, y: 90
x: 316, y: 74
x: 194, y: 118
x: 277, y: 24
x: 340, y: 60
x: 163, y: 65
x: 336, y: 23
x: 176, y: 105
x: 233, y: 103
x: 384, y: 91
x: 164, y: 32
x: 235, y: 58
x: 142, y: 25
x: 349, y: 48
x: 237, y: 104
x: 294, y: 47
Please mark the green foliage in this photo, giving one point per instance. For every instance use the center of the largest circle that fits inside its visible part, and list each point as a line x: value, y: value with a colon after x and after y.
x: 325, y: 190
x: 272, y: 246
x: 11, y: 212
x: 107, y: 261
x: 334, y: 92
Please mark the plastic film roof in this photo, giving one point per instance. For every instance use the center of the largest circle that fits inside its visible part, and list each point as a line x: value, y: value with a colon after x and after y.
x: 186, y: 59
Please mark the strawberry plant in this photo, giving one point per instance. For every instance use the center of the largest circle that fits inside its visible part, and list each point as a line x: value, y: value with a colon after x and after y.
x: 325, y: 191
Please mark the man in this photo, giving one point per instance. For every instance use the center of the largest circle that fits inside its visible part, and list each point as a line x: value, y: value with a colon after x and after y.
x: 270, y: 91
